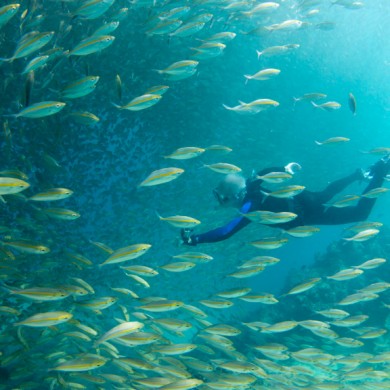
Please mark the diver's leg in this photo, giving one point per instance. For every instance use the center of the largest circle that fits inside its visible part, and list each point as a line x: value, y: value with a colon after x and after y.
x: 362, y: 210
x: 337, y: 186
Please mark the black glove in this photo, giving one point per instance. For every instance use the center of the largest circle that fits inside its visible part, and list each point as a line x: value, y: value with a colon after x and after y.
x: 186, y: 237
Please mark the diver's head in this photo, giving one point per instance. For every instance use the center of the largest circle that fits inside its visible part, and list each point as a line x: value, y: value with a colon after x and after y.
x: 231, y: 191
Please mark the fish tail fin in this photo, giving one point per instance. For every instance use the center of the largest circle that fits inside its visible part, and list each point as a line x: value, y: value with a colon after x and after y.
x: 315, y: 105
x: 247, y: 78
x: 227, y: 107
x: 318, y: 143
x: 259, y: 53
x: 266, y: 195
x: 116, y: 105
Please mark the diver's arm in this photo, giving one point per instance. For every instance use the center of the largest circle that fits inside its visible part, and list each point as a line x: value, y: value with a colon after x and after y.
x: 223, y: 232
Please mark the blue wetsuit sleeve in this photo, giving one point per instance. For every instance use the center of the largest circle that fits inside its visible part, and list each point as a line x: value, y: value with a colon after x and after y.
x: 224, y: 232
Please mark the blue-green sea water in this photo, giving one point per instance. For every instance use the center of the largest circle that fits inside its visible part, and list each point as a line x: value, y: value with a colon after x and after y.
x: 104, y: 164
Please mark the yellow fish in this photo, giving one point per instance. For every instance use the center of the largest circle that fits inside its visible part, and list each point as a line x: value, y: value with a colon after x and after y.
x: 46, y: 319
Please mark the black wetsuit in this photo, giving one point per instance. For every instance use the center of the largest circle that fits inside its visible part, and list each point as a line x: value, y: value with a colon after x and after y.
x: 309, y: 206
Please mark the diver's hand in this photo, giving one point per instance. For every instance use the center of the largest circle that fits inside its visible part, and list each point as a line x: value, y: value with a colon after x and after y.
x: 186, y: 237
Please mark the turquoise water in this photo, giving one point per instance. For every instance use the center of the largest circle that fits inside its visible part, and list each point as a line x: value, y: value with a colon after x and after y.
x: 104, y: 164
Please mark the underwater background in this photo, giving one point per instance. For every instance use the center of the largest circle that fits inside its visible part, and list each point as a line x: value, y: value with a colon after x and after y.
x: 343, y: 48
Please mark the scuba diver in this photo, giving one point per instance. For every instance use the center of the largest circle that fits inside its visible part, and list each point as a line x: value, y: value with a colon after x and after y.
x: 311, y: 207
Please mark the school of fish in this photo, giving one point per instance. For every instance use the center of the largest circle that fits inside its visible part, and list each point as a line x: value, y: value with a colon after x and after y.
x: 115, y: 310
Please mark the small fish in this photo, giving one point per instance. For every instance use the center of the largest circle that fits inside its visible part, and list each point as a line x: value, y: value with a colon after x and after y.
x: 180, y: 266
x: 85, y: 363
x: 270, y: 218
x: 106, y: 28
x: 223, y: 37
x: 352, y: 103
x: 375, y: 192
x: 264, y: 298
x: 92, y: 45
x: 41, y: 293
x: 333, y: 313
x: 188, y: 29
x: 363, y: 235
x: 120, y: 331
x: 46, y: 319
x: 261, y: 8
x: 157, y: 90
x: 36, y: 63
x: 27, y: 246
x: 328, y: 106
x: 185, y: 153
x: 303, y: 286
x: 127, y: 253
x: 29, y: 43
x: 234, y: 293
x: 173, y: 324
x: 358, y: 297
x: 92, y: 9
x: 180, y: 67
x: 79, y: 88
x: 346, y: 274
x: 140, y: 102
x: 276, y: 50
x: 10, y: 185
x: 253, y: 107
x: 162, y: 306
x: 364, y: 226
x: 239, y: 367
x: 275, y: 177
x: 302, y: 231
x: 216, y: 303
x: 165, y: 27
x: 180, y: 221
x: 118, y: 85
x: 141, y: 270
x: 196, y: 257
x: 332, y: 141
x: 40, y: 110
x: 52, y: 194
x: 348, y: 342
x: 223, y: 168
x: 175, y: 349
x: 279, y: 327
x: 285, y: 192
x: 310, y: 96
x: 84, y: 118
x: 260, y: 261
x: 161, y: 176
x: 371, y: 264
x: 60, y: 213
x: 269, y: 243
x: 219, y: 148
x: 208, y: 50
x: 97, y: 303
x: 264, y: 74
x: 350, y: 321
x: 345, y: 201
x: 292, y: 24
x: 247, y: 272
x: 7, y: 12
